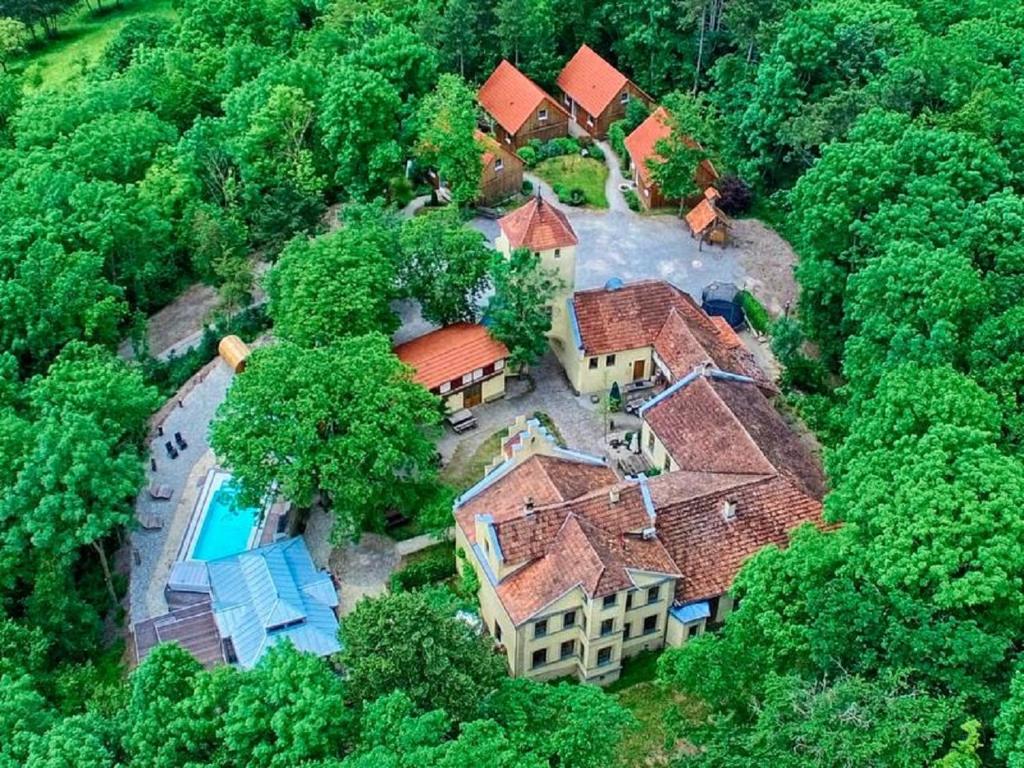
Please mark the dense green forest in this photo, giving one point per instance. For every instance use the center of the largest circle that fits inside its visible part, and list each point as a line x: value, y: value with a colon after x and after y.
x: 884, y: 135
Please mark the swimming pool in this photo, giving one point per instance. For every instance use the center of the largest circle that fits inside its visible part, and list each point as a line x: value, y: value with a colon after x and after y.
x: 219, y: 526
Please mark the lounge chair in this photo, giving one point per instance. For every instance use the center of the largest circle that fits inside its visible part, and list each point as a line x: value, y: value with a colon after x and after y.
x: 160, y: 491
x: 180, y: 441
x: 171, y: 450
x: 150, y: 522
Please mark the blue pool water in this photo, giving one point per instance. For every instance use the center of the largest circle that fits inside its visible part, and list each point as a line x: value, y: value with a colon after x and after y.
x: 226, y: 528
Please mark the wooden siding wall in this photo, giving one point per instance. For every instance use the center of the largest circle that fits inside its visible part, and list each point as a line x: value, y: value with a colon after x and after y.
x: 555, y: 126
x: 497, y: 186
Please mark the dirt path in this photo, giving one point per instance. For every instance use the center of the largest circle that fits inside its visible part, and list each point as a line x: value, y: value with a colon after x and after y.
x: 768, y: 262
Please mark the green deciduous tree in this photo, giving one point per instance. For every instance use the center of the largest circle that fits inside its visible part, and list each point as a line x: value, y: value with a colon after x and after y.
x: 443, y: 266
x: 447, y: 124
x: 518, y: 313
x: 334, y: 286
x: 436, y: 659
x: 343, y: 420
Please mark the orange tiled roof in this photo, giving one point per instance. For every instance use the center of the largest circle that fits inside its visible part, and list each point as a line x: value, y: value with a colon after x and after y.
x: 510, y: 97
x: 655, y: 313
x: 491, y: 148
x: 717, y: 423
x: 642, y: 142
x: 539, y: 226
x: 709, y: 550
x: 450, y: 352
x: 591, y: 81
x: 703, y: 215
x: 712, y: 194
x: 544, y: 479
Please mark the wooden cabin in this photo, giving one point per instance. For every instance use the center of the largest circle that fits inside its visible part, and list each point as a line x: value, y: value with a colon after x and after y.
x: 501, y: 175
x: 519, y: 109
x: 595, y: 93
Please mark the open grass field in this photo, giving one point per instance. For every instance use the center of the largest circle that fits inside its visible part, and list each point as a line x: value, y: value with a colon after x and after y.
x: 83, y: 36
x: 574, y: 171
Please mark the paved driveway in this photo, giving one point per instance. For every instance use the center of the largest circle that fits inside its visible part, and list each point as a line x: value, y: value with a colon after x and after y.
x: 621, y: 243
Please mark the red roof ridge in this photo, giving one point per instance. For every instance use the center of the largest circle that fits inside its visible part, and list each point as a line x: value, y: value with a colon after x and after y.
x: 510, y: 97
x: 590, y: 80
x: 538, y: 225
x: 446, y: 353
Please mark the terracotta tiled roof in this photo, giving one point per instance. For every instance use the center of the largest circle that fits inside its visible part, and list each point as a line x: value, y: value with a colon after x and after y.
x: 538, y: 225
x: 654, y: 313
x: 726, y: 332
x: 642, y: 142
x: 591, y: 81
x: 718, y: 424
x: 491, y: 149
x: 712, y: 194
x: 708, y: 549
x: 544, y: 479
x: 510, y: 97
x: 580, y: 553
x: 703, y: 215
x: 450, y: 352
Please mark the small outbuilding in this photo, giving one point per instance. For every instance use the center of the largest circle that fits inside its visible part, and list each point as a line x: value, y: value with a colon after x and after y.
x: 234, y: 352
x: 461, y: 363
x: 707, y: 223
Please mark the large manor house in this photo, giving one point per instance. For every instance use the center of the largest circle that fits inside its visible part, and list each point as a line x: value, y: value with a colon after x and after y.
x: 580, y: 567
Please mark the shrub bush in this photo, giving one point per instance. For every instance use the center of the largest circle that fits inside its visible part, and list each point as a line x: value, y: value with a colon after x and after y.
x: 757, y: 315
x: 617, y: 138
x: 632, y: 199
x: 528, y: 155
x: 595, y: 152
x: 527, y: 188
x: 735, y: 196
x: 577, y: 196
x: 401, y: 191
x: 636, y: 113
x: 564, y: 145
x: 434, y: 567
x: 169, y: 375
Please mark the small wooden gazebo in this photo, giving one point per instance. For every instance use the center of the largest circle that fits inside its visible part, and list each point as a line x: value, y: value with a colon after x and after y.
x: 234, y: 352
x: 707, y: 222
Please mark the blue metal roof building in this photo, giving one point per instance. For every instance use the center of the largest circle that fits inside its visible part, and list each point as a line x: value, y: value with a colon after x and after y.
x: 270, y: 594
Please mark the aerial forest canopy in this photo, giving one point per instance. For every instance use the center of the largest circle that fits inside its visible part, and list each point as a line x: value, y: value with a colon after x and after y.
x: 885, y: 138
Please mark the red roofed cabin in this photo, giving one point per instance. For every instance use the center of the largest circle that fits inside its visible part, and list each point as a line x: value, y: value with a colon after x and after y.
x: 460, y: 363
x: 596, y: 93
x: 501, y: 175
x: 519, y: 109
x: 642, y: 147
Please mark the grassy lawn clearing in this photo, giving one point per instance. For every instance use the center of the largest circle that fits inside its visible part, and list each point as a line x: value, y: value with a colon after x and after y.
x: 647, y: 743
x: 83, y: 36
x: 466, y: 467
x: 575, y: 172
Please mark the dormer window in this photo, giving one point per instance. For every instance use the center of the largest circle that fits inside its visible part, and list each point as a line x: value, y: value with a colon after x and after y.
x: 542, y: 115
x: 728, y: 511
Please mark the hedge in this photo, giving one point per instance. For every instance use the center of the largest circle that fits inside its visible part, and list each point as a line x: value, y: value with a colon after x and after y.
x: 757, y: 315
x: 436, y: 566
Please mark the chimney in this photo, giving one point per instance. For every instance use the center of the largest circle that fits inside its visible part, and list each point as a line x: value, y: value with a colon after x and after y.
x: 613, y: 496
x: 728, y: 510
x: 649, y: 533
x: 528, y: 505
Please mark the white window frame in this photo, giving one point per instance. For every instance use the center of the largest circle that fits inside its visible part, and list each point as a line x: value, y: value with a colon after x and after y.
x: 467, y: 378
x: 499, y: 165
x: 590, y: 121
x: 542, y: 114
x: 446, y: 387
x: 499, y: 364
x: 478, y: 374
x: 624, y: 98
